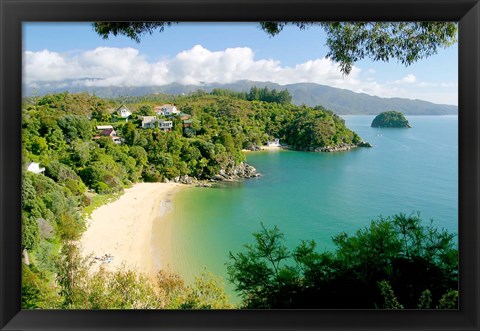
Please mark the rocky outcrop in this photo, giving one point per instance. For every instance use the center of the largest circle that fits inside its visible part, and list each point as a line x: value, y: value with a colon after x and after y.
x: 364, y: 144
x: 339, y: 148
x: 242, y: 170
x: 182, y: 179
x: 253, y: 148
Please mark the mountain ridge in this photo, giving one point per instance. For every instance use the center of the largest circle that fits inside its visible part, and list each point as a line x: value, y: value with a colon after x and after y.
x: 341, y: 101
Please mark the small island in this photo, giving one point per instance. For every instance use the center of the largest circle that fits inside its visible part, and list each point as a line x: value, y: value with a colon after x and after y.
x: 390, y: 119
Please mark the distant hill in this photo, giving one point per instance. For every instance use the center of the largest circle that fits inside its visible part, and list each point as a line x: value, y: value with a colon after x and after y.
x: 341, y: 101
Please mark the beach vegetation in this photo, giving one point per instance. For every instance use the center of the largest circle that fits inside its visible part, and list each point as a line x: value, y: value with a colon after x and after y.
x: 76, y: 286
x: 396, y: 262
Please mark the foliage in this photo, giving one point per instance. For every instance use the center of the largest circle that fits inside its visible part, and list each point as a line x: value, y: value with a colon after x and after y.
x: 127, y: 289
x: 97, y: 200
x: 145, y: 110
x: 348, y: 42
x: 205, y: 293
x: 30, y: 232
x: 310, y: 129
x: 45, y: 199
x: 75, y: 127
x: 390, y: 119
x: 37, y: 291
x: 390, y: 300
x: 63, y: 174
x: 395, y: 262
x: 133, y: 30
x: 264, y: 94
x: 425, y: 301
x: 449, y: 300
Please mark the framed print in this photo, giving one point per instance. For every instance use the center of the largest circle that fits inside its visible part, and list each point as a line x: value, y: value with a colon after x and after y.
x: 240, y: 165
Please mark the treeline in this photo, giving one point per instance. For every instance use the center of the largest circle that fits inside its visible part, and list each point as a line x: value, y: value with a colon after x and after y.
x: 257, y: 94
x: 397, y: 262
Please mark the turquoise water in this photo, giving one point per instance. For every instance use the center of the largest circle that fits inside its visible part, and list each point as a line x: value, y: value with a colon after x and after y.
x: 318, y: 195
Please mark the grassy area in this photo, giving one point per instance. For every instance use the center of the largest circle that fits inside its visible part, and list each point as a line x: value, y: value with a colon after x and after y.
x: 119, y: 120
x: 99, y: 200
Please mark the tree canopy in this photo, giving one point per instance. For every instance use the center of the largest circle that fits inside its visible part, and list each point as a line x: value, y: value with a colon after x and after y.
x: 390, y: 119
x: 348, y: 42
x: 394, y: 263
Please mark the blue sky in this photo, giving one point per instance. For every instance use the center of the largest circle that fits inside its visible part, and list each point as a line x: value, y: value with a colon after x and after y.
x: 192, y: 53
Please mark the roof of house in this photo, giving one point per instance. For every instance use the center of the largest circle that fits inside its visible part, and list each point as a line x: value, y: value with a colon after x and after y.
x: 123, y: 107
x: 167, y: 105
x: 103, y: 127
x: 107, y: 132
x: 148, y: 118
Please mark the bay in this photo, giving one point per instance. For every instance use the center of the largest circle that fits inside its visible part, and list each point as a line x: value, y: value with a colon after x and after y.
x: 319, y: 195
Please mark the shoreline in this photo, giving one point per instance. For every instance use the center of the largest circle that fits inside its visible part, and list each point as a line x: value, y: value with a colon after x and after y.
x: 124, y: 229
x: 267, y: 148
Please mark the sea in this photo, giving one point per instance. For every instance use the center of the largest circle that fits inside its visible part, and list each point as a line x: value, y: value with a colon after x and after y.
x: 316, y: 196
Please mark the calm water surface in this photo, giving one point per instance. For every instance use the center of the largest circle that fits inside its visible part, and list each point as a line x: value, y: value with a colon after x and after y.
x: 318, y: 195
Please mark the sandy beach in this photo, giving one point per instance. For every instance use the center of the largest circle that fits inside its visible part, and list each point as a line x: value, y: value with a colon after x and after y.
x: 267, y: 148
x: 123, y: 228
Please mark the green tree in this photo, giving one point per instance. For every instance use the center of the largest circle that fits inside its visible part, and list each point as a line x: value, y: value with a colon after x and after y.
x: 145, y: 110
x: 30, y: 232
x: 425, y: 301
x: 449, y: 300
x: 75, y: 127
x: 390, y: 119
x: 37, y: 291
x: 72, y: 270
x: 258, y: 274
x: 390, y: 300
x: 368, y: 269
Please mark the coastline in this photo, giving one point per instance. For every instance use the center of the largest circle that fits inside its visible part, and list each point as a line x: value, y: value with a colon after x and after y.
x: 267, y: 148
x: 123, y: 229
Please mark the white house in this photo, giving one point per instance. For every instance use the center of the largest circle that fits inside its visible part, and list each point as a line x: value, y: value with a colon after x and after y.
x: 109, y: 132
x: 35, y: 168
x: 165, y: 125
x: 123, y: 111
x: 274, y: 143
x: 149, y: 122
x: 158, y: 110
x: 169, y: 109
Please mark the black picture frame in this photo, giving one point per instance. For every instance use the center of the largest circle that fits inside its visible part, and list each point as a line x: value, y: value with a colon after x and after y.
x: 14, y: 12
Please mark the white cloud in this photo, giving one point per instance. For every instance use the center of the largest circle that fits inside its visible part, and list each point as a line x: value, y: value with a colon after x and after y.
x: 408, y: 79
x: 429, y: 84
x: 105, y: 66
